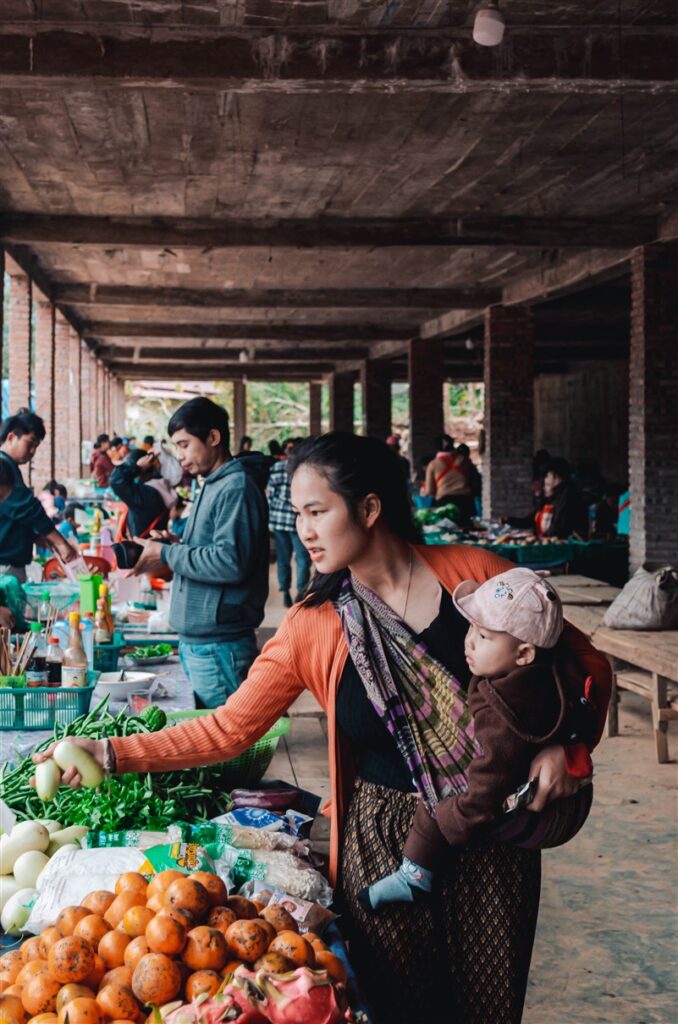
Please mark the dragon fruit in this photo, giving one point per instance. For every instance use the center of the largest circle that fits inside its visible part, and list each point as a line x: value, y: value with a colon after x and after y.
x: 302, y: 996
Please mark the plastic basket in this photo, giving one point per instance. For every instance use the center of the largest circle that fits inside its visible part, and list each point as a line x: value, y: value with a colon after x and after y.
x: 42, y: 707
x: 106, y: 655
x: 248, y: 768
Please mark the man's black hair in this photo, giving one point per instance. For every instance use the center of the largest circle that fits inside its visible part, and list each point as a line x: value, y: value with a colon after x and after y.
x: 21, y: 423
x: 149, y: 439
x: 103, y: 439
x: 559, y: 467
x: 197, y: 417
x: 115, y: 442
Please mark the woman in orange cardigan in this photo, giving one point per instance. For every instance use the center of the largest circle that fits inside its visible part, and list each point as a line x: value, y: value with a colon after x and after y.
x: 465, y: 956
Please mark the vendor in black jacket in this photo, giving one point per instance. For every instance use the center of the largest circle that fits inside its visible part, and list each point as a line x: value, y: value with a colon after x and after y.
x: 570, y: 514
x: 148, y: 498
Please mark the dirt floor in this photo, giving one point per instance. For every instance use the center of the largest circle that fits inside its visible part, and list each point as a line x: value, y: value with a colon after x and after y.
x: 607, y: 940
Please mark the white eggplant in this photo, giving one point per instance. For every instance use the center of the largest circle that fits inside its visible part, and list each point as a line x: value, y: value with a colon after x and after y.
x: 66, y: 837
x: 27, y: 835
x: 16, y: 911
x: 47, y: 780
x: 8, y: 887
x: 28, y: 867
x: 69, y: 755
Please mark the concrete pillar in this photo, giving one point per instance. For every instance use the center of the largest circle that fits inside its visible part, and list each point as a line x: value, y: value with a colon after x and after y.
x: 314, y: 409
x: 44, y: 344
x: 653, y: 404
x: 239, y: 412
x: 62, y: 397
x: 509, y: 411
x: 341, y: 402
x: 75, y: 406
x: 19, y: 340
x: 375, y: 381
x: 426, y: 375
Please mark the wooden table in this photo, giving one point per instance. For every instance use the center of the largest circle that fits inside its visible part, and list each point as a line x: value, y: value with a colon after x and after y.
x: 645, y: 663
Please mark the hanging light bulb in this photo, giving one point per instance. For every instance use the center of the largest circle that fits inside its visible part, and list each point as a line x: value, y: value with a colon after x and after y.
x: 489, y: 24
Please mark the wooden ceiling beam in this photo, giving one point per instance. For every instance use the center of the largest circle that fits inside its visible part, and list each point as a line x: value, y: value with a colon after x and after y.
x: 329, y: 232
x: 294, y: 61
x: 277, y: 298
x: 137, y: 354
x: 250, y: 371
x: 360, y: 332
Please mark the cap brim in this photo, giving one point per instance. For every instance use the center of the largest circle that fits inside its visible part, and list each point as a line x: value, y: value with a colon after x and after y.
x: 464, y: 590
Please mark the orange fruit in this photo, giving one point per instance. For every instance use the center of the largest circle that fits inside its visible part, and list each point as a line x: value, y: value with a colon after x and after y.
x: 121, y: 904
x: 81, y: 1011
x: 315, y: 940
x: 294, y: 947
x: 242, y: 908
x: 136, y: 920
x: 14, y: 990
x: 98, y: 902
x: 137, y: 948
x: 267, y: 928
x: 275, y: 962
x: 112, y: 948
x: 206, y: 949
x: 47, y: 940
x: 11, y: 1010
x: 247, y: 940
x: 92, y: 929
x: 280, y: 918
x: 221, y: 918
x: 131, y: 881
x: 40, y: 994
x: 187, y: 894
x: 30, y: 970
x: 162, y: 881
x: 118, y: 1002
x: 164, y: 934
x: 44, y: 1018
x: 70, y: 959
x: 231, y: 966
x: 216, y: 890
x: 327, y: 961
x: 119, y: 975
x: 156, y: 979
x: 10, y: 965
x: 156, y: 903
x: 184, y: 917
x: 96, y: 974
x: 30, y: 949
x: 70, y: 992
x: 203, y: 981
x: 68, y: 918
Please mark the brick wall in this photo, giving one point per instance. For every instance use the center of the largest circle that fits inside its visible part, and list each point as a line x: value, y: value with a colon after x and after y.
x: 43, y: 463
x: 19, y: 342
x: 509, y: 411
x: 341, y: 402
x: 376, y: 388
x: 62, y: 397
x: 75, y: 392
x: 653, y: 405
x: 426, y: 378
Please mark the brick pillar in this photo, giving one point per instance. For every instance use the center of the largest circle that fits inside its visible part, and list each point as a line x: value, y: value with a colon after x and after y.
x: 509, y: 411
x: 2, y: 326
x: 426, y: 375
x: 93, y: 409
x: 314, y: 409
x: 74, y: 407
x: 239, y: 412
x: 653, y: 404
x: 100, y: 411
x: 341, y: 402
x: 375, y: 381
x: 19, y: 339
x: 62, y: 397
x: 44, y: 342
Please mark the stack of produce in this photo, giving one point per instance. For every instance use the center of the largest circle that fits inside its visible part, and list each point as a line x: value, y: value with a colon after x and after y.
x: 178, y: 939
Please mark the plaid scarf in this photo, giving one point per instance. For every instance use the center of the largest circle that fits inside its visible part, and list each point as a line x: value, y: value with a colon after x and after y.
x: 424, y: 706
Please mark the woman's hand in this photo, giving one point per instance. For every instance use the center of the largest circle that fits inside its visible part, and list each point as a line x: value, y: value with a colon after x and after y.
x: 71, y: 776
x: 554, y: 779
x: 61, y: 546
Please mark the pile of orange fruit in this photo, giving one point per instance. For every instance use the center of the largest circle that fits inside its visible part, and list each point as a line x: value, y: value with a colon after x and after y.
x: 147, y: 944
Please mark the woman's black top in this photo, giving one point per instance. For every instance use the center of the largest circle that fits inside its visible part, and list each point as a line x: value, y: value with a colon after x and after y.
x: 378, y: 757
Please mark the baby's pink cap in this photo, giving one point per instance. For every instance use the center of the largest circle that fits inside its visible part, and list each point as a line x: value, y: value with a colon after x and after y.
x: 519, y: 602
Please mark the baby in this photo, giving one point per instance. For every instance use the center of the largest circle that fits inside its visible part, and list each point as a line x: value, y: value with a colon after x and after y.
x: 517, y: 703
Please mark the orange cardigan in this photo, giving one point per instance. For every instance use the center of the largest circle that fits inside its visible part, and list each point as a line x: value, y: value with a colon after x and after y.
x: 309, y: 652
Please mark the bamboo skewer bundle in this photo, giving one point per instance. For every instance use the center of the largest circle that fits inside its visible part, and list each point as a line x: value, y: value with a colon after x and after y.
x: 5, y: 652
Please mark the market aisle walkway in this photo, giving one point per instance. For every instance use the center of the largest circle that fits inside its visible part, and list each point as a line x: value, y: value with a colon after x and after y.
x: 606, y: 941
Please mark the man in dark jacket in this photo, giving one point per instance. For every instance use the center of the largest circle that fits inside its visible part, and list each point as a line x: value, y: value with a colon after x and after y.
x: 221, y: 566
x: 130, y: 481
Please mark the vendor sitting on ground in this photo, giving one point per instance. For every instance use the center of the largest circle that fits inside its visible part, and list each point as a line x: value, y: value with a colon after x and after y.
x: 517, y: 707
x: 147, y: 496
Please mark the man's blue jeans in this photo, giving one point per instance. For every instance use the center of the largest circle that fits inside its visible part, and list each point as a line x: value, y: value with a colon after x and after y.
x: 216, y: 670
x: 286, y: 542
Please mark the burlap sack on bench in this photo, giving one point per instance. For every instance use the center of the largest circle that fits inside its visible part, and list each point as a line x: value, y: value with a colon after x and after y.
x: 648, y: 601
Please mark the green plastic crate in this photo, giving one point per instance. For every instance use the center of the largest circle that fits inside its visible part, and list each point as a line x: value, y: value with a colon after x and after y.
x: 106, y: 656
x: 248, y: 768
x: 42, y: 707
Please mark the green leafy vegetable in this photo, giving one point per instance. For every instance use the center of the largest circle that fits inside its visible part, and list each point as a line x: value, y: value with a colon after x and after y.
x: 152, y: 651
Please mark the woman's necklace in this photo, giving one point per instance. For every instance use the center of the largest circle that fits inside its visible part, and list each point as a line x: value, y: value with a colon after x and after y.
x: 409, y: 583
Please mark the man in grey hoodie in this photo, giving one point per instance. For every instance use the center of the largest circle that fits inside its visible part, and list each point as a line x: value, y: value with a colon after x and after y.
x: 221, y: 565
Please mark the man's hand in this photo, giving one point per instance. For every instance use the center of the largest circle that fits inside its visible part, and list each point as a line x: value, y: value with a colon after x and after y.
x: 71, y: 777
x: 61, y: 546
x: 6, y: 618
x: 554, y: 780
x: 150, y: 561
x: 169, y: 538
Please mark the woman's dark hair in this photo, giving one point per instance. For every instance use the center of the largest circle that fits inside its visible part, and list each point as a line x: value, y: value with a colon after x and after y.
x: 245, y: 439
x: 463, y: 450
x: 355, y: 467
x: 116, y: 442
x: 149, y: 439
x: 445, y: 443
x: 197, y: 417
x: 559, y: 467
x: 22, y: 422
x: 274, y: 448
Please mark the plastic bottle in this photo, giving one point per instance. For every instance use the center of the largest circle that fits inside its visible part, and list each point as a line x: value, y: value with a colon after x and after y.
x: 102, y: 633
x: 87, y: 631
x: 54, y: 662
x: 74, y: 668
x: 104, y: 594
x: 44, y: 608
x: 95, y: 533
x: 38, y: 662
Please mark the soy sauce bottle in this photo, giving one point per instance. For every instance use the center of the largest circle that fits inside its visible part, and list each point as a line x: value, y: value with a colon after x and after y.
x: 54, y: 661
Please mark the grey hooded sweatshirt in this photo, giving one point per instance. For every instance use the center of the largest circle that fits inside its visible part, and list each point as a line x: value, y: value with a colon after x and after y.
x: 221, y: 566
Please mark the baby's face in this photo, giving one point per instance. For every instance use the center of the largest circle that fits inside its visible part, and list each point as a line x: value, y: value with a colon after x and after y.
x: 490, y: 653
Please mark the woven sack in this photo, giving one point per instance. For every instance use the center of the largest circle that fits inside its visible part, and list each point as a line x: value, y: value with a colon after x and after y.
x: 648, y: 601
